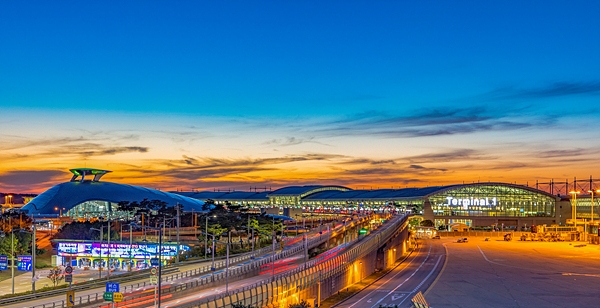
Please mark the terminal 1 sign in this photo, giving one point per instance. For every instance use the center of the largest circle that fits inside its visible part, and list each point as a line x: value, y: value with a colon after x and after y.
x: 468, y: 201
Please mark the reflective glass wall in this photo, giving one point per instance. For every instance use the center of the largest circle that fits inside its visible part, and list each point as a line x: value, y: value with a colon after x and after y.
x: 492, y: 200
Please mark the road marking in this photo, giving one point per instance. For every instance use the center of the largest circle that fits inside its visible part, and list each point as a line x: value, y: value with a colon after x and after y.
x: 423, y: 281
x: 394, y: 276
x: 396, y: 296
x: 405, y: 280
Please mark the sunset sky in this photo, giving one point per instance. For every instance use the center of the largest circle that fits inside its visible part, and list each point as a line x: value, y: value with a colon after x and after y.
x: 239, y: 94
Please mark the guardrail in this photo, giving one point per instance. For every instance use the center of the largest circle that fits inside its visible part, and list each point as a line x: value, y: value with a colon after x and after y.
x: 203, y: 282
x: 269, y: 291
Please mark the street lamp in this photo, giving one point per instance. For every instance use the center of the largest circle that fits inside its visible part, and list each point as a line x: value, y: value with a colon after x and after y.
x: 108, y: 259
x: 592, y: 206
x: 33, y: 251
x: 250, y: 228
x: 12, y: 254
x: 212, y: 267
x: 574, y: 206
x: 130, y: 243
x: 160, y: 252
x: 206, y: 238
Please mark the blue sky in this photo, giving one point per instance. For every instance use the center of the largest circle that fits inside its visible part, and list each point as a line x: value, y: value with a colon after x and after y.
x: 250, y: 81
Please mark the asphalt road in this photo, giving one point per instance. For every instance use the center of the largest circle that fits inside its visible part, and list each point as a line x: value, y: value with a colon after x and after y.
x: 415, y: 274
x: 497, y: 273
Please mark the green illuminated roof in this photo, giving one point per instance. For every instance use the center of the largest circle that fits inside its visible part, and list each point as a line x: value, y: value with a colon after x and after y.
x: 97, y: 173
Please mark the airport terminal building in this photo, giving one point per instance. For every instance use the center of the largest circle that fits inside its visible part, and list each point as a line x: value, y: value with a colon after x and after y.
x: 476, y: 205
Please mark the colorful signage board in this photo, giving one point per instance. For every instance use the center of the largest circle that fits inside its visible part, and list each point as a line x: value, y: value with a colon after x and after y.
x: 116, y: 250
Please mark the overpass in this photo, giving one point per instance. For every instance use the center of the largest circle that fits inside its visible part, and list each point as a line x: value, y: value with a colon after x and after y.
x: 247, y: 266
x: 319, y: 278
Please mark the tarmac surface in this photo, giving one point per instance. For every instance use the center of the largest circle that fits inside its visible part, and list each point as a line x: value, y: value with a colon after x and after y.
x: 497, y: 273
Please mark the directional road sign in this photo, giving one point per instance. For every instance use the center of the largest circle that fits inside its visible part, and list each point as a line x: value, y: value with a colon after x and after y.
x: 3, y: 262
x: 154, y: 262
x: 108, y: 296
x: 117, y: 297
x: 70, y: 298
x: 24, y: 263
x: 112, y: 287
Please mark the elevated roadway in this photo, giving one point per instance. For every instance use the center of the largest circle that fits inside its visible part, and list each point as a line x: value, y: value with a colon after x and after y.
x: 191, y: 270
x: 396, y: 289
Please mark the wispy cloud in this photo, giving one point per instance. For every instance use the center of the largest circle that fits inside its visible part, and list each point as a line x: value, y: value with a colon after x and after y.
x: 450, y: 156
x: 31, y: 180
x: 289, y: 141
x: 425, y: 122
x: 198, y: 168
x: 556, y: 89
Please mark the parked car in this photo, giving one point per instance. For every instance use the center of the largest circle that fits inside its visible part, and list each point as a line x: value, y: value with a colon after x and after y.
x: 436, y: 237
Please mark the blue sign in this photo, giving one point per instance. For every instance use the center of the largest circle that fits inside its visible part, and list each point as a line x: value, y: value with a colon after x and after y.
x: 24, y: 263
x: 112, y: 287
x: 154, y: 262
x: 3, y: 262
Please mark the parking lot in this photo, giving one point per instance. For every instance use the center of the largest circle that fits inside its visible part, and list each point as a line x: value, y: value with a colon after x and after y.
x: 499, y: 273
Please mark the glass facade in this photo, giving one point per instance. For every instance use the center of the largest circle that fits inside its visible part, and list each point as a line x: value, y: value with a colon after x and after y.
x: 95, y: 209
x: 584, y: 207
x: 492, y: 200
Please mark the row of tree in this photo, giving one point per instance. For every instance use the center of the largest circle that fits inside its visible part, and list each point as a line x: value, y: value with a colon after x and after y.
x: 11, y: 224
x: 221, y: 219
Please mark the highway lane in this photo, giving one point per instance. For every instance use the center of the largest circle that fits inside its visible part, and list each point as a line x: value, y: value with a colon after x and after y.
x: 92, y: 292
x: 415, y: 274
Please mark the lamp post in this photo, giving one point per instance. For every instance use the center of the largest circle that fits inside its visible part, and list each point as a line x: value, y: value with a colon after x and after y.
x: 101, y: 237
x: 33, y: 246
x: 591, y: 191
x: 160, y: 254
x: 227, y: 264
x: 574, y: 206
x: 130, y: 243
x: 206, y: 238
x: 212, y: 267
x: 12, y: 254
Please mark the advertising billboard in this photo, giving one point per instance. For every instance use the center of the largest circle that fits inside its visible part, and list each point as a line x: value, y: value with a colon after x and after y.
x: 116, y: 250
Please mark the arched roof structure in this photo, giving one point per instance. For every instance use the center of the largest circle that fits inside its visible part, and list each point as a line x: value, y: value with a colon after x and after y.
x: 304, y: 191
x: 70, y: 194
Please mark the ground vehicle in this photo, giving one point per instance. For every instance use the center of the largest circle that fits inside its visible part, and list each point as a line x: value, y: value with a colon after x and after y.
x: 436, y: 237
x: 462, y: 240
x: 508, y: 236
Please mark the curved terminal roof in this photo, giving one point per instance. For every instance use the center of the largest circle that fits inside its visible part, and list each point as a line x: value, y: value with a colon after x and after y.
x: 220, y: 195
x: 68, y: 195
x: 443, y: 189
x: 340, y: 193
x: 305, y: 190
x: 404, y: 193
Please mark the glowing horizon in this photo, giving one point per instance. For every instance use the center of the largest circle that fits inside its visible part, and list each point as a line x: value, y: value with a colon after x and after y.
x: 216, y: 96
